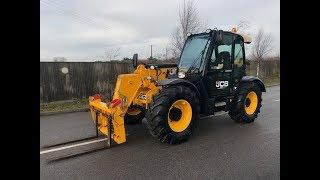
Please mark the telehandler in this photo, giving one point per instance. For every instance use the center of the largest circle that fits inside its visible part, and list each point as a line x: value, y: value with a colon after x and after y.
x: 168, y: 98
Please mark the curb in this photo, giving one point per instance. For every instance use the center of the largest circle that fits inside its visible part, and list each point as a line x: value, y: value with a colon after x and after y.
x: 87, y: 109
x: 63, y: 112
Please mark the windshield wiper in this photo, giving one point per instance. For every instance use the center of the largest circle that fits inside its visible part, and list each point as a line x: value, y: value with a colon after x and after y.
x: 196, y: 60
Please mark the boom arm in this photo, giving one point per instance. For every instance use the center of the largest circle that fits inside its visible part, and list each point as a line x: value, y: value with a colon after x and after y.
x: 131, y: 89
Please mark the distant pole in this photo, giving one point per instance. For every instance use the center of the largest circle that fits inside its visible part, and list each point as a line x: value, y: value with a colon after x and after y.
x: 151, y: 52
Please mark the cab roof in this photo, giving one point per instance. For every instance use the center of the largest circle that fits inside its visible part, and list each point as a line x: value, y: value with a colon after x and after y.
x: 246, y: 38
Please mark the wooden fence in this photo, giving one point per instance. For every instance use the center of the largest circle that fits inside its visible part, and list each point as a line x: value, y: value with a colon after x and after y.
x: 69, y: 80
x: 81, y: 80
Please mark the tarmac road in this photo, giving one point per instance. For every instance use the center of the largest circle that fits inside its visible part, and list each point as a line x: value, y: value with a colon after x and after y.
x: 220, y: 149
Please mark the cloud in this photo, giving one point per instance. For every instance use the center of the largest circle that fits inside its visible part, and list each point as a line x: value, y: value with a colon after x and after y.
x: 80, y: 30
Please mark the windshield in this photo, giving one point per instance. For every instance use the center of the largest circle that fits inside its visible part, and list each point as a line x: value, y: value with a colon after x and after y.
x: 193, y: 52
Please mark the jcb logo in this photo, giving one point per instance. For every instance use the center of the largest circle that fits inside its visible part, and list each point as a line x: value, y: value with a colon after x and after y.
x: 222, y: 84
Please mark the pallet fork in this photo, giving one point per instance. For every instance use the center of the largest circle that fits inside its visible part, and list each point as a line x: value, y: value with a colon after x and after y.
x: 83, y: 141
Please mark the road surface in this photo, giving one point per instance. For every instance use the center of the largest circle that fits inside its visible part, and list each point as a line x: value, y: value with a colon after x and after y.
x: 220, y: 149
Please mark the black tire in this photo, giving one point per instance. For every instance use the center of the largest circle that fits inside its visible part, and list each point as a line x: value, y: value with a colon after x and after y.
x: 237, y: 109
x: 157, y: 114
x: 134, y: 119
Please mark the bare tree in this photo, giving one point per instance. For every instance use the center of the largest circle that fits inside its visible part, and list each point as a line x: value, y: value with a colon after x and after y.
x: 189, y: 22
x: 262, y: 46
x: 278, y: 53
x: 167, y: 51
x: 112, y: 54
x: 164, y: 54
x: 243, y: 26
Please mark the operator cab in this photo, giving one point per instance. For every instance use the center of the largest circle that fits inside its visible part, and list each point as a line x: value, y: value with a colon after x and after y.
x: 214, y: 62
x: 198, y: 47
x: 217, y: 56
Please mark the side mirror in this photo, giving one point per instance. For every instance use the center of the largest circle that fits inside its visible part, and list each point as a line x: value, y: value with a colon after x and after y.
x: 135, y: 60
x: 219, y: 36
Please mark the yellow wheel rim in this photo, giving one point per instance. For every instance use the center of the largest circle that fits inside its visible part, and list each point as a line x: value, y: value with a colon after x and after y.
x: 133, y: 111
x: 251, y: 103
x: 179, y: 121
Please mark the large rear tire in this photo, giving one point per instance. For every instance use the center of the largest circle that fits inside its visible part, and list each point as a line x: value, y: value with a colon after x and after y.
x: 246, y: 104
x: 173, y: 113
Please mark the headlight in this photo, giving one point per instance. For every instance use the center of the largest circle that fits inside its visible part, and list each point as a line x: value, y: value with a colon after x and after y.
x: 181, y: 74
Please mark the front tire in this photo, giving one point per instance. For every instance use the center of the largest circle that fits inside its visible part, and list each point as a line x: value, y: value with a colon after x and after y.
x: 134, y: 115
x: 246, y: 104
x: 173, y: 114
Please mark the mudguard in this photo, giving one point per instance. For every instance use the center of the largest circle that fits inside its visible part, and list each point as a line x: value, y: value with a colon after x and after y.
x: 254, y: 79
x: 175, y: 81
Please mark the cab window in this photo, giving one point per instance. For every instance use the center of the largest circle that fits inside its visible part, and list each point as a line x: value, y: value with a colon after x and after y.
x: 221, y: 55
x: 238, y: 68
x: 238, y: 55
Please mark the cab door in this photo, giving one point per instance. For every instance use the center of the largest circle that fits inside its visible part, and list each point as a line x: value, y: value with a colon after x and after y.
x: 218, y: 78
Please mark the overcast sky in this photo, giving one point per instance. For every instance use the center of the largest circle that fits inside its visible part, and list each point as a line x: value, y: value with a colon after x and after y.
x: 83, y: 30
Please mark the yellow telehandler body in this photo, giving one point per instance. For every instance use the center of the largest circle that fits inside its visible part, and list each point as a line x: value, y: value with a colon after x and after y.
x: 135, y: 89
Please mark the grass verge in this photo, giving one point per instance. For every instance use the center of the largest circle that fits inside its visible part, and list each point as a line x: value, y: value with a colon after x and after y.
x: 62, y: 106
